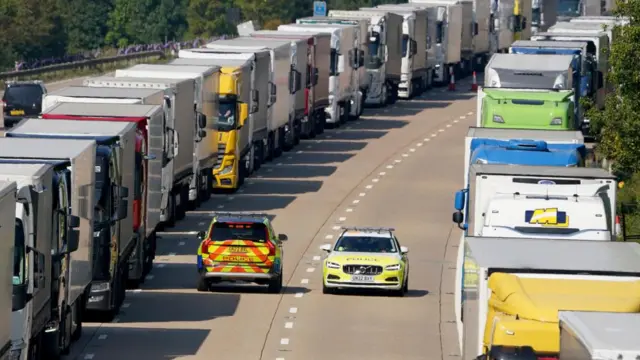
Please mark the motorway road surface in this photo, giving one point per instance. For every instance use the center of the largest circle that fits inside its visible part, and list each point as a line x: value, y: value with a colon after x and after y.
x: 399, y: 167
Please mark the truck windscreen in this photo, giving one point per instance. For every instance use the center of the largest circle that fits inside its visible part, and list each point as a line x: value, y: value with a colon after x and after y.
x: 226, y: 119
x: 405, y: 45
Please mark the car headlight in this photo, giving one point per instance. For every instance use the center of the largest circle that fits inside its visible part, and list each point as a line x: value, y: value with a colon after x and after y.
x: 498, y: 119
x: 556, y: 121
x: 394, y: 267
x: 332, y: 265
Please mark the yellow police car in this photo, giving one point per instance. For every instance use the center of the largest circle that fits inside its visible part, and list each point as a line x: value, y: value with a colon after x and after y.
x: 366, y: 258
x: 240, y: 247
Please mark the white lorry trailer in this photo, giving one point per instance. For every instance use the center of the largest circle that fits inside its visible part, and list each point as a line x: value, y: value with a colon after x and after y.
x: 176, y: 159
x: 344, y: 92
x: 247, y: 80
x: 52, y: 318
x: 514, y: 288
x: 500, y: 33
x: 204, y: 143
x: 595, y: 335
x: 420, y: 53
x: 287, y: 79
x: 538, y: 202
x: 383, y: 61
x: 114, y: 237
x: 8, y: 249
x: 316, y: 74
x: 358, y: 30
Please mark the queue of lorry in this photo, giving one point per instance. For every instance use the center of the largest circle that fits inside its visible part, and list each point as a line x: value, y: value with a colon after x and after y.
x: 86, y: 185
x: 539, y: 269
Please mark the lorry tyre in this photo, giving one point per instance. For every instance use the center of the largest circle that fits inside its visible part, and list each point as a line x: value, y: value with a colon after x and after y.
x: 345, y: 115
x: 321, y: 122
x: 275, y: 285
x: 270, y: 147
x: 183, y: 194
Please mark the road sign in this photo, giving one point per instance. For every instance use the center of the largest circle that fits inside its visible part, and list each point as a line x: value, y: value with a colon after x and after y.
x: 319, y: 8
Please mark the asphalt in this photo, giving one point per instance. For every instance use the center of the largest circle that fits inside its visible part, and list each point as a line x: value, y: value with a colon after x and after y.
x: 397, y: 166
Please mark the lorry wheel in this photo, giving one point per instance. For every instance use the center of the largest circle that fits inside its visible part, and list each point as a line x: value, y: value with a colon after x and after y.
x: 321, y: 121
x: 270, y: 147
x: 171, y: 209
x: 275, y: 285
x: 181, y: 210
x: 347, y: 111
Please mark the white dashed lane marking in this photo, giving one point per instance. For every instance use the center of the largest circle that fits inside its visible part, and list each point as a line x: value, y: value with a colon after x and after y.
x: 288, y: 325
x: 355, y: 201
x: 299, y: 295
x: 382, y: 173
x: 310, y: 270
x: 293, y: 310
x: 389, y: 166
x: 369, y: 186
x: 349, y: 210
x: 342, y: 219
x: 304, y: 281
x: 316, y: 258
x: 102, y: 337
x: 329, y: 236
x: 284, y: 341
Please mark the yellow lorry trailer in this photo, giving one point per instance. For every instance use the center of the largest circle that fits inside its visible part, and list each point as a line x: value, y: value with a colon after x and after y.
x: 514, y: 288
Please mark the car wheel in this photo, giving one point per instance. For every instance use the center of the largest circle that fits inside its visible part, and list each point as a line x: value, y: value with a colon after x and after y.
x: 405, y: 288
x: 203, y: 284
x: 275, y: 285
x: 327, y: 290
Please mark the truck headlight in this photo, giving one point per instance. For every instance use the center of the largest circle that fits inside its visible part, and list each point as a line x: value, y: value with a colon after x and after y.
x: 100, y: 287
x: 332, y: 265
x: 227, y: 170
x: 556, y: 121
x: 394, y: 267
x: 498, y: 119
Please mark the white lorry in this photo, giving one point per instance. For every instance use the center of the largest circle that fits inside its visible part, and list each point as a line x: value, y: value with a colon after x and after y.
x: 500, y: 34
x: 9, y: 251
x: 514, y: 288
x: 285, y: 76
x: 61, y: 265
x: 344, y: 92
x: 417, y: 67
x: 538, y: 202
x: 358, y: 29
x: 383, y: 62
x: 317, y: 47
x: 595, y: 335
x: 204, y: 144
x: 598, y: 45
x: 176, y: 160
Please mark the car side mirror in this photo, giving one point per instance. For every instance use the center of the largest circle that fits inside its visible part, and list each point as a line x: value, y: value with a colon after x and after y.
x: 202, y: 120
x: 326, y: 248
x: 458, y: 218
x: 202, y: 134
x: 404, y: 250
x: 201, y: 235
x: 283, y: 237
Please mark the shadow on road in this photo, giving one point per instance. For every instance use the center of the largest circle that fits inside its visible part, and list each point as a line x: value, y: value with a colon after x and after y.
x: 147, y: 344
x: 328, y: 146
x: 160, y: 306
x: 408, y: 108
x: 357, y: 134
x: 379, y: 124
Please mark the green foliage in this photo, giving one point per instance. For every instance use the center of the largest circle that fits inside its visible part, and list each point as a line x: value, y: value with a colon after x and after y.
x: 33, y: 29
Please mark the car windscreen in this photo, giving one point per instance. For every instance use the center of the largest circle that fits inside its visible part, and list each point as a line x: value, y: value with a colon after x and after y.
x: 23, y: 95
x: 222, y: 231
x: 366, y: 244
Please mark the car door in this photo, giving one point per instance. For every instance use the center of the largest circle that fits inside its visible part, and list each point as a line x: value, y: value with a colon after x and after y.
x: 404, y: 257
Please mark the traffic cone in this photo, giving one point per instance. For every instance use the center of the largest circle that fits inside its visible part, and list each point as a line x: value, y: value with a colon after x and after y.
x: 452, y: 81
x: 474, y: 84
x: 618, y: 226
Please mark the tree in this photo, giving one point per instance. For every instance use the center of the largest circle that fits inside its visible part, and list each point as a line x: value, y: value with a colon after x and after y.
x: 85, y: 23
x: 617, y: 128
x: 208, y: 18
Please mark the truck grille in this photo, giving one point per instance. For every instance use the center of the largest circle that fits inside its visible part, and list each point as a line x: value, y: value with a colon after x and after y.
x: 221, y: 149
x: 362, y: 269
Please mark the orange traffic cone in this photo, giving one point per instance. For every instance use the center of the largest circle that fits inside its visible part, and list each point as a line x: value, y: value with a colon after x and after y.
x: 618, y: 225
x: 452, y: 81
x: 474, y: 84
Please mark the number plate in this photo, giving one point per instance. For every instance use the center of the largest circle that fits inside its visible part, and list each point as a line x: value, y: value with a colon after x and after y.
x: 16, y: 112
x: 237, y: 249
x: 362, y: 278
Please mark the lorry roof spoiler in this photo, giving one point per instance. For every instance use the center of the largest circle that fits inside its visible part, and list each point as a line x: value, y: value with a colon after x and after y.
x: 527, y: 145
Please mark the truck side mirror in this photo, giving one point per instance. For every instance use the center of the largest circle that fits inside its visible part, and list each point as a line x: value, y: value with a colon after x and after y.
x: 414, y: 47
x: 167, y: 101
x: 292, y: 81
x: 458, y: 217
x: 458, y: 202
x: 243, y: 114
x: 73, y: 241
x: 202, y: 134
x: 360, y: 58
x: 255, y: 101
x: 474, y: 28
x: 20, y: 297
x: 202, y: 120
x: 272, y: 94
x: 298, y: 81
x: 73, y: 221
x: 122, y: 210
x: 315, y: 76
x: 124, y: 192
